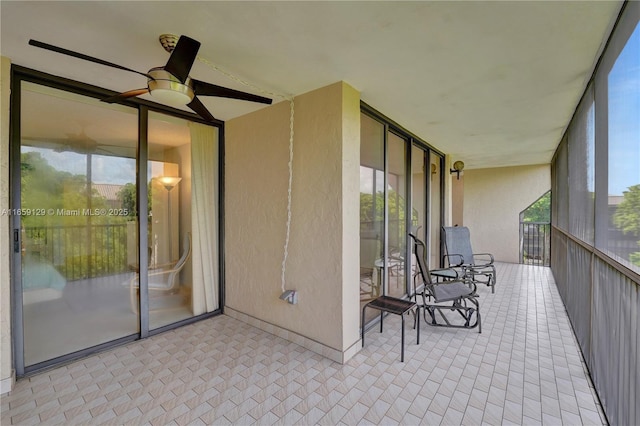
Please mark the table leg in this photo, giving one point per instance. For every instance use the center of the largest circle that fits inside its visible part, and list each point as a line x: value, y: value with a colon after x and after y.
x: 402, y: 349
x: 363, y: 309
x: 418, y: 319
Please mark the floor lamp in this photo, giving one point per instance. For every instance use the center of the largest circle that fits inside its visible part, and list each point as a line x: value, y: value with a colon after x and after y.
x: 170, y: 182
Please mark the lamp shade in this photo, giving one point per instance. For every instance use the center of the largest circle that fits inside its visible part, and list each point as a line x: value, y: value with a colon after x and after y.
x: 169, y: 182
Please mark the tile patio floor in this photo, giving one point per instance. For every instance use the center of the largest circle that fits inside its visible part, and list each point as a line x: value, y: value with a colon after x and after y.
x: 525, y: 368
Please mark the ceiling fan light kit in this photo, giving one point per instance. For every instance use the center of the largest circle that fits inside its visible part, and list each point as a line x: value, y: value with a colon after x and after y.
x: 170, y: 84
x: 169, y: 90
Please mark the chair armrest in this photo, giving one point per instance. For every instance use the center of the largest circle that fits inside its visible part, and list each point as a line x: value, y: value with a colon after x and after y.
x: 448, y: 273
x: 487, y: 258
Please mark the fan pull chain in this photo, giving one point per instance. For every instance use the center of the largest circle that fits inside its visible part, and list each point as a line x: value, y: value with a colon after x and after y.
x: 291, y: 120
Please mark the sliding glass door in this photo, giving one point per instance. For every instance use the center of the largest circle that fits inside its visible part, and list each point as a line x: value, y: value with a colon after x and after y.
x: 397, y: 208
x: 426, y: 203
x: 372, y: 207
x: 115, y: 222
x: 400, y: 191
x: 183, y: 216
x: 77, y: 221
x: 435, y: 197
x: 419, y: 182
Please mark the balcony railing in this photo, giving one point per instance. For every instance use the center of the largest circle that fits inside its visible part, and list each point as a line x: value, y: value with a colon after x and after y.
x: 535, y: 243
x: 80, y: 252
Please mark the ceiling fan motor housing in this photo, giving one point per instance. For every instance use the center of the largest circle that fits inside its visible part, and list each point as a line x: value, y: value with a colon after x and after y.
x: 168, y: 89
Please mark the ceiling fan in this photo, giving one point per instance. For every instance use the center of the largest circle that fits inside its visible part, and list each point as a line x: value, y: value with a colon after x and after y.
x: 170, y: 83
x: 80, y: 143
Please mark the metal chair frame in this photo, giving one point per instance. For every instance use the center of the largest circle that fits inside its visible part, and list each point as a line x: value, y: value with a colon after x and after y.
x: 474, y: 267
x: 439, y: 298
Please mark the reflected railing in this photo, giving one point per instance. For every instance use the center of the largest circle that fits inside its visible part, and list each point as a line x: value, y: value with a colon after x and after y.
x: 80, y: 252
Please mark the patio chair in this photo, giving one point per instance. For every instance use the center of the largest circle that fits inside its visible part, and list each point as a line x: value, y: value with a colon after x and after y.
x: 162, y: 279
x: 453, y: 297
x: 476, y: 267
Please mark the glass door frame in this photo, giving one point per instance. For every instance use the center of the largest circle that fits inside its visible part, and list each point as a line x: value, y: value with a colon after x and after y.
x: 427, y: 185
x: 407, y: 205
x: 21, y: 74
x: 411, y: 141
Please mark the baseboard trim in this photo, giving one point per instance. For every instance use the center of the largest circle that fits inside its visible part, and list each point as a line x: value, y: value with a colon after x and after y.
x: 317, y: 347
x: 6, y: 385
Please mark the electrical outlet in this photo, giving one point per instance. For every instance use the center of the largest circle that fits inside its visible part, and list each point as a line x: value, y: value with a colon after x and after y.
x: 290, y: 296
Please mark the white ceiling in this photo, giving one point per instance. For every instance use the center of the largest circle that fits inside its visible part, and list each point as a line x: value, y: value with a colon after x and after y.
x: 492, y: 83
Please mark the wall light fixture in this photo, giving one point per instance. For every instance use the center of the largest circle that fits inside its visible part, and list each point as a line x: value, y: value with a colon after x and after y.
x: 457, y: 168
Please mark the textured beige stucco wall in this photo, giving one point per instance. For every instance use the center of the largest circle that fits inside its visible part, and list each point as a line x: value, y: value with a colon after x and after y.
x: 350, y: 216
x: 493, y: 200
x: 324, y: 245
x: 5, y: 281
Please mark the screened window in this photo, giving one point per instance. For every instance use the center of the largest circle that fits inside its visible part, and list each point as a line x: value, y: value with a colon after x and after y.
x: 560, y: 206
x: 596, y: 219
x: 623, y: 134
x: 581, y: 140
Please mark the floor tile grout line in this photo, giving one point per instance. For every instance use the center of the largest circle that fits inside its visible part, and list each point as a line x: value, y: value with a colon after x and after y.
x: 242, y: 353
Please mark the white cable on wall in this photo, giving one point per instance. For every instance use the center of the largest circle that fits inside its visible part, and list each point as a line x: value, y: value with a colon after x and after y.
x: 291, y: 119
x: 286, y: 239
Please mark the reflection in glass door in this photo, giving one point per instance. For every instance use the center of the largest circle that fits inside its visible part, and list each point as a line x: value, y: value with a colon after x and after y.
x: 418, y: 200
x: 77, y: 226
x: 78, y: 221
x: 425, y: 203
x: 183, y: 218
x: 397, y: 210
x: 400, y: 191
x: 435, y: 210
x: 372, y: 135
